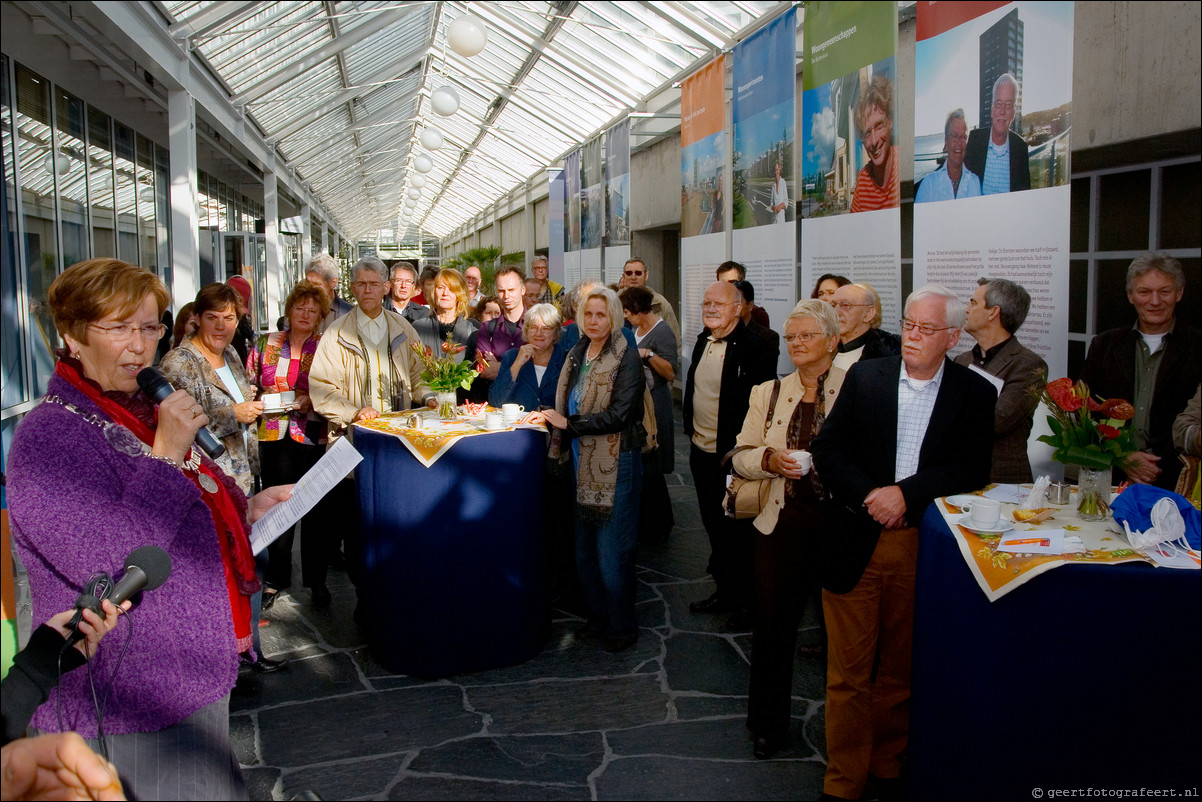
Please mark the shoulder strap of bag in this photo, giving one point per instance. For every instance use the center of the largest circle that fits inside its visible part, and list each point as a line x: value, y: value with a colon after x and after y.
x: 767, y: 424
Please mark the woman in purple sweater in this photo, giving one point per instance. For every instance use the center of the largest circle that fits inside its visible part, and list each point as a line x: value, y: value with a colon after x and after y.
x: 97, y: 470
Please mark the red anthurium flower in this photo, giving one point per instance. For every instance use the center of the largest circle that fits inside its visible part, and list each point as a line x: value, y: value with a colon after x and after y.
x: 1061, y: 391
x: 1094, y: 406
x: 1107, y: 432
x: 1121, y: 410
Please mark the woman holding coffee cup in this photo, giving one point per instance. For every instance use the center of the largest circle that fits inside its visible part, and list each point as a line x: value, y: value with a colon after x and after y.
x: 782, y: 420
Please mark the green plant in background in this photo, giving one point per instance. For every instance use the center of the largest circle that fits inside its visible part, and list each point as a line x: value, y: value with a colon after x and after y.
x: 486, y: 258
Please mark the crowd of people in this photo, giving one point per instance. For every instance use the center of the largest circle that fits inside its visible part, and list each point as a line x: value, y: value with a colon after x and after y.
x: 852, y: 445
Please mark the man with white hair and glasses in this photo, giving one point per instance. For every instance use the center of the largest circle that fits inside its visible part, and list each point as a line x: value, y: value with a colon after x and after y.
x: 904, y: 431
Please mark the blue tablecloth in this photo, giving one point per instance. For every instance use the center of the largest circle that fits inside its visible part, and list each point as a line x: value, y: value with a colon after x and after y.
x: 1085, y: 677
x: 455, y: 553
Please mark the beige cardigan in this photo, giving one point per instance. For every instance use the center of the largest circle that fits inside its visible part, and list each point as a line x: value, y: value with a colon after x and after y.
x: 748, y: 463
x: 338, y: 379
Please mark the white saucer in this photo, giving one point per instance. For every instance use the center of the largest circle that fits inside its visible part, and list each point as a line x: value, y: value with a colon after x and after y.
x: 961, y: 500
x: 502, y: 427
x: 276, y: 410
x: 1002, y: 526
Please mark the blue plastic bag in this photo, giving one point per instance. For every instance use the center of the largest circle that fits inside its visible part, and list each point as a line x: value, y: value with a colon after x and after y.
x: 1134, y: 505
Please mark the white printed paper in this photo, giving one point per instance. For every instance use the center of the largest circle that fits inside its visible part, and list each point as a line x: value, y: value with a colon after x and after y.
x: 334, y: 465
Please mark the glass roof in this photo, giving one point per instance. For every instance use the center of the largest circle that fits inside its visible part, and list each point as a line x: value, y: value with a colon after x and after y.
x: 343, y: 89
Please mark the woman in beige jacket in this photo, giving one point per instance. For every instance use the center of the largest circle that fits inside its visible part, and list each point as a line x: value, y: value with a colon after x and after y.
x: 783, y: 418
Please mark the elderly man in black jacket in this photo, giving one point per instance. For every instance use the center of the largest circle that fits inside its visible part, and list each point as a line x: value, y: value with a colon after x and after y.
x: 728, y: 360
x: 1155, y: 364
x: 903, y: 432
x: 858, y: 308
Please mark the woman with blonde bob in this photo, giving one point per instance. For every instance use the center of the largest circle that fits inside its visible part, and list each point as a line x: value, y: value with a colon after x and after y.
x: 450, y: 309
x: 783, y: 418
x: 597, y: 432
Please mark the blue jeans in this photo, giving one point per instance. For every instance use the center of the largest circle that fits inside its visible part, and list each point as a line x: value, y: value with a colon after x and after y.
x: 605, y: 555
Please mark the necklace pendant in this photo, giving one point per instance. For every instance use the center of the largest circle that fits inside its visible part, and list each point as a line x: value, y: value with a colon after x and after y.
x: 208, y: 483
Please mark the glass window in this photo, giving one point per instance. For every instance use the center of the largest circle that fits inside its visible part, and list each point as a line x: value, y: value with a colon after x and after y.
x: 1182, y: 209
x: 12, y: 353
x: 37, y: 165
x: 162, y: 169
x: 148, y: 245
x: 100, y: 183
x: 1123, y: 211
x: 127, y: 205
x: 71, y: 176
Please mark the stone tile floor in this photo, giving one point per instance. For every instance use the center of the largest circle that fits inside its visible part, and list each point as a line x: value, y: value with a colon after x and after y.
x: 664, y: 720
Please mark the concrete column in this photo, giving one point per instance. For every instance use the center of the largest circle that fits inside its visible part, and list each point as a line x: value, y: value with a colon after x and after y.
x: 325, y: 236
x: 306, y: 234
x: 185, y: 236
x: 275, y: 254
x: 529, y: 238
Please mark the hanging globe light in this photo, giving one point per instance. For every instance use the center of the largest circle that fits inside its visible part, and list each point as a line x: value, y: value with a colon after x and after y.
x: 57, y: 163
x: 418, y: 181
x: 410, y: 203
x: 445, y: 100
x: 431, y: 139
x: 423, y: 163
x: 414, y: 193
x: 467, y: 35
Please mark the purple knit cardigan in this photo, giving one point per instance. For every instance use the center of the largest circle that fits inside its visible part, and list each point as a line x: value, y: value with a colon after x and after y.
x: 77, y: 506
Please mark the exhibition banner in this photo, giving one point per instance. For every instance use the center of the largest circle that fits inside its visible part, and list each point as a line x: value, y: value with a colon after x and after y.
x: 763, y: 110
x: 592, y: 208
x: 702, y: 211
x: 992, y: 112
x: 555, y: 227
x: 571, y: 195
x: 850, y: 194
x: 616, y: 240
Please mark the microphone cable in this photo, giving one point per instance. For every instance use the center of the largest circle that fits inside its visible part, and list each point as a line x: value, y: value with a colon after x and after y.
x: 100, y: 585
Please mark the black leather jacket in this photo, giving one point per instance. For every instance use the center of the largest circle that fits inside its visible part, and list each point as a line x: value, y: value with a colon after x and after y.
x: 625, y: 411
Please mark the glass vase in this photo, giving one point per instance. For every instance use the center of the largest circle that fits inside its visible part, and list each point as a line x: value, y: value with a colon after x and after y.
x: 447, y: 405
x: 1093, y: 494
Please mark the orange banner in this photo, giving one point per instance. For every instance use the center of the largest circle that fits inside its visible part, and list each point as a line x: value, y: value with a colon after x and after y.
x: 703, y: 102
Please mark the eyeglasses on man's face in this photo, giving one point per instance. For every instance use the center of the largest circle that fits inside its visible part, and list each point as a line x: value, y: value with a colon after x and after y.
x: 844, y: 305
x: 635, y: 272
x: 925, y: 329
x: 369, y: 285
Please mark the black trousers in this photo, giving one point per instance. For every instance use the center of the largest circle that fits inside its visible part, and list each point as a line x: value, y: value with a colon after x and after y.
x: 285, y: 462
x: 336, y: 523
x: 730, y: 540
x: 785, y: 575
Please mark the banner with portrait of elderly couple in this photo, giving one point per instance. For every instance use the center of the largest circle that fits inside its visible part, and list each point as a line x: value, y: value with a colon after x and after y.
x: 992, y: 111
x: 850, y: 195
x: 763, y: 225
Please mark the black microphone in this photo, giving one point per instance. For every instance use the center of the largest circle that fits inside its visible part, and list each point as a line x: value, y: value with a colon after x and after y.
x: 158, y: 388
x: 145, y: 569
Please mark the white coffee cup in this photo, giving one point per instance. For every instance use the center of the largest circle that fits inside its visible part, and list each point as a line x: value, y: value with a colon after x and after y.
x: 512, y: 412
x: 494, y: 420
x: 804, y: 459
x: 986, y: 513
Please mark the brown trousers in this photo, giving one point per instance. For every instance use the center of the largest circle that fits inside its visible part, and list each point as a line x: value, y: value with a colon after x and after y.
x: 867, y: 723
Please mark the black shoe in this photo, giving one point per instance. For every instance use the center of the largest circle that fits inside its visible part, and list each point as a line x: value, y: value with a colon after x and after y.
x: 765, y: 748
x: 321, y: 597
x: 738, y: 621
x: 614, y: 645
x: 268, y: 599
x: 265, y: 665
x: 587, y: 633
x: 714, y: 604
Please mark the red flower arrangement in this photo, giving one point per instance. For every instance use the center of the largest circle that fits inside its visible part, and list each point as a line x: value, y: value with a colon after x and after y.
x: 1092, y: 433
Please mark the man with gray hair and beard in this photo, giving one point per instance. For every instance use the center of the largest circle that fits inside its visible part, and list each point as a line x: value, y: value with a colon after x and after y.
x: 995, y: 312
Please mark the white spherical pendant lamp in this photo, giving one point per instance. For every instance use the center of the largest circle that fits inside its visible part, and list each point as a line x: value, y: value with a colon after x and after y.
x: 445, y: 100
x: 414, y: 193
x: 431, y: 139
x: 410, y: 203
x: 423, y: 163
x: 467, y: 35
x: 418, y: 181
